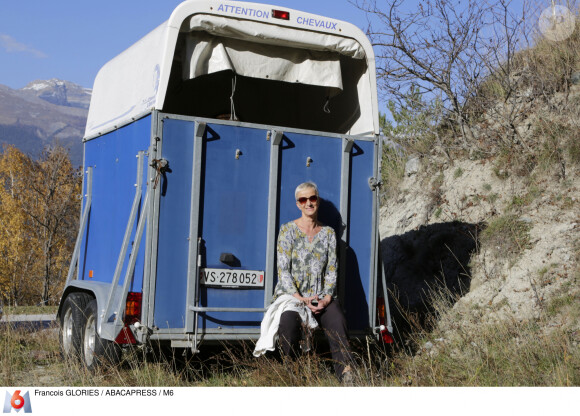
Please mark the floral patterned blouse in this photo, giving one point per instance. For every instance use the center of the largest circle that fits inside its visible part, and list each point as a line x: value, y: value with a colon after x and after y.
x: 306, y: 267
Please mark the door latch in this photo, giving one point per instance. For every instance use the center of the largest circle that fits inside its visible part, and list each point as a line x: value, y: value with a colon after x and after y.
x: 375, y: 183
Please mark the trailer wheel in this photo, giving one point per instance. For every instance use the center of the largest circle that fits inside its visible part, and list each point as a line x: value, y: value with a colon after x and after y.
x: 72, y: 321
x: 97, y: 351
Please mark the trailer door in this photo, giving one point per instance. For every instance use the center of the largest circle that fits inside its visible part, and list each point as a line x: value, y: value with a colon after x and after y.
x: 216, y: 188
x: 233, y: 226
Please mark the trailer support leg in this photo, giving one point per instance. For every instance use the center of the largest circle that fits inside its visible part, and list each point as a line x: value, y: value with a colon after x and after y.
x: 82, y: 227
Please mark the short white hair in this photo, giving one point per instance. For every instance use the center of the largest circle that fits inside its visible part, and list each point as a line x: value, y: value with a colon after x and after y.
x: 303, y: 186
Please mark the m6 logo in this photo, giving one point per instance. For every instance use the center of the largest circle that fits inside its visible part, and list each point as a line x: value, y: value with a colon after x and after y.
x: 17, y: 402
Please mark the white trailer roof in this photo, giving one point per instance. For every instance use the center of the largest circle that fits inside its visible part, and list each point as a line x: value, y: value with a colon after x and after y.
x: 135, y: 82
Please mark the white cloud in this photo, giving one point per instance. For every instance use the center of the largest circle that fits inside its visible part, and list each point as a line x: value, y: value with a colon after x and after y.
x: 9, y: 44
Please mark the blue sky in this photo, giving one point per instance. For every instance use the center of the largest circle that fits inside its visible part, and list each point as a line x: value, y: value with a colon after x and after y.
x: 72, y: 39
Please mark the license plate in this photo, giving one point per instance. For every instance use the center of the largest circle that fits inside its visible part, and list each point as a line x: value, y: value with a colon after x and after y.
x: 231, y: 278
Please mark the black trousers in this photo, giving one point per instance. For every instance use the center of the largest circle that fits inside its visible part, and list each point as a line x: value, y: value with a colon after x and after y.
x: 332, y: 321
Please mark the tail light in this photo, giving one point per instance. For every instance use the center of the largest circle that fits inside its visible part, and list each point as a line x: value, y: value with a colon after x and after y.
x: 132, y: 315
x: 381, y: 311
x: 133, y: 307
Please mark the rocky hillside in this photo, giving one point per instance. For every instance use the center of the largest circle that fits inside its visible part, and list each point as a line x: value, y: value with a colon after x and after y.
x: 500, y: 234
x: 44, y: 112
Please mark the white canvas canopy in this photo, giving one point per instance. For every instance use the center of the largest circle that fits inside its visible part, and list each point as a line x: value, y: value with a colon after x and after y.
x: 241, y: 37
x: 209, y: 54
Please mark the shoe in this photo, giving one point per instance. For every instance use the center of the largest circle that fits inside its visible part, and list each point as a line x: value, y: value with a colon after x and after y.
x: 347, y: 378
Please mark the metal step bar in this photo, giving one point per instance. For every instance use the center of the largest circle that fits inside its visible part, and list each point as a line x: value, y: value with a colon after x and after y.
x: 199, y: 309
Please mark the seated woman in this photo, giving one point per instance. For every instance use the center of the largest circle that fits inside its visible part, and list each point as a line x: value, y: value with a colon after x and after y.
x: 307, y: 271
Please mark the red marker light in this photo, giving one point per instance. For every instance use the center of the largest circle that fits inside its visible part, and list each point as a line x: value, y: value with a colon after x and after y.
x: 381, y: 311
x: 125, y: 337
x: 387, y: 338
x: 281, y: 14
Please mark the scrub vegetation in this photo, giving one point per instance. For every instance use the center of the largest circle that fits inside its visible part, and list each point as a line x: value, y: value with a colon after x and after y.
x: 476, y: 81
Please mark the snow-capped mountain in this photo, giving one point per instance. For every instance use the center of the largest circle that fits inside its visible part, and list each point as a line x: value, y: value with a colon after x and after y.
x: 59, y: 92
x: 42, y: 113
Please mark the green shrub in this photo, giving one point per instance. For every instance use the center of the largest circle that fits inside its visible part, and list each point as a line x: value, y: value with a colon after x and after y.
x: 507, y: 235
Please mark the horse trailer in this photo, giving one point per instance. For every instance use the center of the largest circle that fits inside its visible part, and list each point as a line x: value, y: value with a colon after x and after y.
x: 196, y: 137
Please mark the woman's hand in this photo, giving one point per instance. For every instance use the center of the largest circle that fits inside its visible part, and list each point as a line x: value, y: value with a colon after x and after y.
x: 306, y: 300
x: 322, y: 303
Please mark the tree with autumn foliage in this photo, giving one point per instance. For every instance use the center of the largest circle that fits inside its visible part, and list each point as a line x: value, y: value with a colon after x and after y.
x: 39, y: 202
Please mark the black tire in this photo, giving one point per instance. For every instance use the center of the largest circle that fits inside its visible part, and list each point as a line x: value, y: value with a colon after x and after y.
x: 72, y: 322
x: 97, y: 351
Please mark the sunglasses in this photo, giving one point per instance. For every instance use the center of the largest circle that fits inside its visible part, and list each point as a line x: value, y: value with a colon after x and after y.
x: 303, y: 199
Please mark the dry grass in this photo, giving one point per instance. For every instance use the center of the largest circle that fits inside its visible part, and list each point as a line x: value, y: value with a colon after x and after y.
x: 503, y: 353
x: 33, y: 358
x: 24, y: 354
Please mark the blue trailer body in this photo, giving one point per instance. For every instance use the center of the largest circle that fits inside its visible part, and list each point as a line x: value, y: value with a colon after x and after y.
x: 113, y: 159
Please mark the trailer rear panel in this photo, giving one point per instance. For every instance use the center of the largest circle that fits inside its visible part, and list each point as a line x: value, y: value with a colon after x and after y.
x: 232, y: 218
